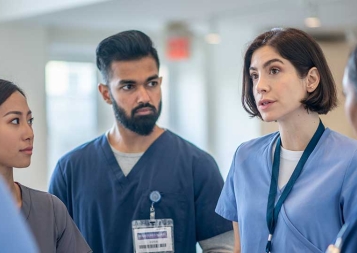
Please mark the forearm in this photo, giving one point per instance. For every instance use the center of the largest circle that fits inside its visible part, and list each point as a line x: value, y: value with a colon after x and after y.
x: 223, y: 243
x: 236, y: 238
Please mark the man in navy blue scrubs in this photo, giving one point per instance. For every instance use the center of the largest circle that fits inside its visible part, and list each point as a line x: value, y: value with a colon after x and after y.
x: 140, y: 186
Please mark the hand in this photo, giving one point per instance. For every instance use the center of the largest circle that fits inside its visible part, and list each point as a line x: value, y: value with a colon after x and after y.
x: 332, y: 249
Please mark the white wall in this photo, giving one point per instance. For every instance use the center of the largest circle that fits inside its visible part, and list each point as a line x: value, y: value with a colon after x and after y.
x: 23, y: 56
x: 230, y: 124
x: 187, y: 94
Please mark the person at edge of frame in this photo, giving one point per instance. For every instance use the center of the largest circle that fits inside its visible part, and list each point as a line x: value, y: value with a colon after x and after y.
x: 346, y: 241
x: 14, y: 234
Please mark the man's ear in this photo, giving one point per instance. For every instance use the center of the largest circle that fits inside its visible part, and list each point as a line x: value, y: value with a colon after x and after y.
x: 312, y: 79
x: 104, y: 91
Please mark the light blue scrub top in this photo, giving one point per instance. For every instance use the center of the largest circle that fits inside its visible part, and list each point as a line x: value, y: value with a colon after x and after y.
x: 14, y: 234
x: 319, y: 203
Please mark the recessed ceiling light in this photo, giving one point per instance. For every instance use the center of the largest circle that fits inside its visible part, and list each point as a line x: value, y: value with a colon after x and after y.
x: 312, y: 22
x: 213, y: 38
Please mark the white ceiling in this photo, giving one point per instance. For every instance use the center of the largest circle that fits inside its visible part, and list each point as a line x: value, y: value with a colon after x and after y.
x: 19, y: 9
x: 335, y: 15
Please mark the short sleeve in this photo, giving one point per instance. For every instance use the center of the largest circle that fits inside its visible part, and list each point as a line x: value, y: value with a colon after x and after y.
x: 208, y: 184
x: 69, y: 238
x: 227, y: 204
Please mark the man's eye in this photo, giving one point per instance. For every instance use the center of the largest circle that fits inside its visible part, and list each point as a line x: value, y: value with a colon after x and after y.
x: 127, y: 87
x: 153, y: 83
x: 15, y: 121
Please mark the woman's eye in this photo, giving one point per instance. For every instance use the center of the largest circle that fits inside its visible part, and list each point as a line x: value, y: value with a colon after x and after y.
x: 30, y: 121
x: 253, y: 76
x: 274, y: 71
x: 15, y: 121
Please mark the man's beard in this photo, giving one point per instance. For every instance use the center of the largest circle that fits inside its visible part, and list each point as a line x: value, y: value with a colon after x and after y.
x: 142, y: 124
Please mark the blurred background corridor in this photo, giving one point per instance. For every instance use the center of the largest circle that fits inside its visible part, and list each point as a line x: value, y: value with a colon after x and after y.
x: 48, y: 49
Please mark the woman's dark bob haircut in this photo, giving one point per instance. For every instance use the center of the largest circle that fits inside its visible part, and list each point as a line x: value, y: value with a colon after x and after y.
x: 304, y: 53
x: 6, y: 90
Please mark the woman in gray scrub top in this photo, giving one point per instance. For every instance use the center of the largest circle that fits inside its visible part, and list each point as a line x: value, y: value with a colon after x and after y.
x: 46, y: 215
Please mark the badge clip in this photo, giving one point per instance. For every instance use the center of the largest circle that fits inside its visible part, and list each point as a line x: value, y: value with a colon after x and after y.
x: 155, y: 197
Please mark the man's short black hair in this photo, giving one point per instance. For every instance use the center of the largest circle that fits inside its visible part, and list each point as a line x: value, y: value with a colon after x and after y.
x: 124, y: 46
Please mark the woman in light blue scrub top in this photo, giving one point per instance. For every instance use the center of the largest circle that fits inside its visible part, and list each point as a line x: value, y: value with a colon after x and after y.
x: 346, y: 241
x: 292, y: 190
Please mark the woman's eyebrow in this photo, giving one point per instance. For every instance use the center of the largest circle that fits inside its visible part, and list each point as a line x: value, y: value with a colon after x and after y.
x: 268, y: 63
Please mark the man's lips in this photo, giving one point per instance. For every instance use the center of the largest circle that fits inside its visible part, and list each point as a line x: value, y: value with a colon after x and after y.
x: 144, y: 110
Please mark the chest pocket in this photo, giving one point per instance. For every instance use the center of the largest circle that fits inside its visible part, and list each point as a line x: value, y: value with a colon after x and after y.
x: 171, y: 206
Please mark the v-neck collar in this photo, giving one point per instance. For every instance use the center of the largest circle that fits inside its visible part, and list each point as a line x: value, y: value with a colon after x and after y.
x: 115, y: 167
x: 270, y: 147
x: 26, y: 200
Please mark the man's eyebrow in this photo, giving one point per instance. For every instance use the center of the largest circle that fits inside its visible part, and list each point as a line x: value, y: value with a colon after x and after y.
x: 122, y: 82
x: 152, y: 77
x: 128, y: 81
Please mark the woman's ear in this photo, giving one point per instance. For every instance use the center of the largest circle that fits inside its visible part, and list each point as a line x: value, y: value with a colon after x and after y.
x: 312, y: 79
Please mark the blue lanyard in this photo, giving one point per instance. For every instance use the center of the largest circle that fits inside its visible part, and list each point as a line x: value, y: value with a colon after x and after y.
x: 273, y: 212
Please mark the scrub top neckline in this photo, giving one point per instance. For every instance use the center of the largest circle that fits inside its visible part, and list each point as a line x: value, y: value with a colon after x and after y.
x: 270, y: 148
x: 113, y: 164
x: 26, y: 200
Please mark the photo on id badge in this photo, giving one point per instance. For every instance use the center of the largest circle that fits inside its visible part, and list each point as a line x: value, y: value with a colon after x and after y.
x: 153, y: 235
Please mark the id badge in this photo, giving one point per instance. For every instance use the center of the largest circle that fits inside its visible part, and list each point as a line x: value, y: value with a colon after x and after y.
x: 153, y: 235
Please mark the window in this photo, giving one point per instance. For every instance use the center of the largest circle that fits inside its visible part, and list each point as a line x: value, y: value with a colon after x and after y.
x: 71, y: 107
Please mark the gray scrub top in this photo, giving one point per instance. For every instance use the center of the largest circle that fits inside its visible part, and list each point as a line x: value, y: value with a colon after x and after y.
x: 50, y: 223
